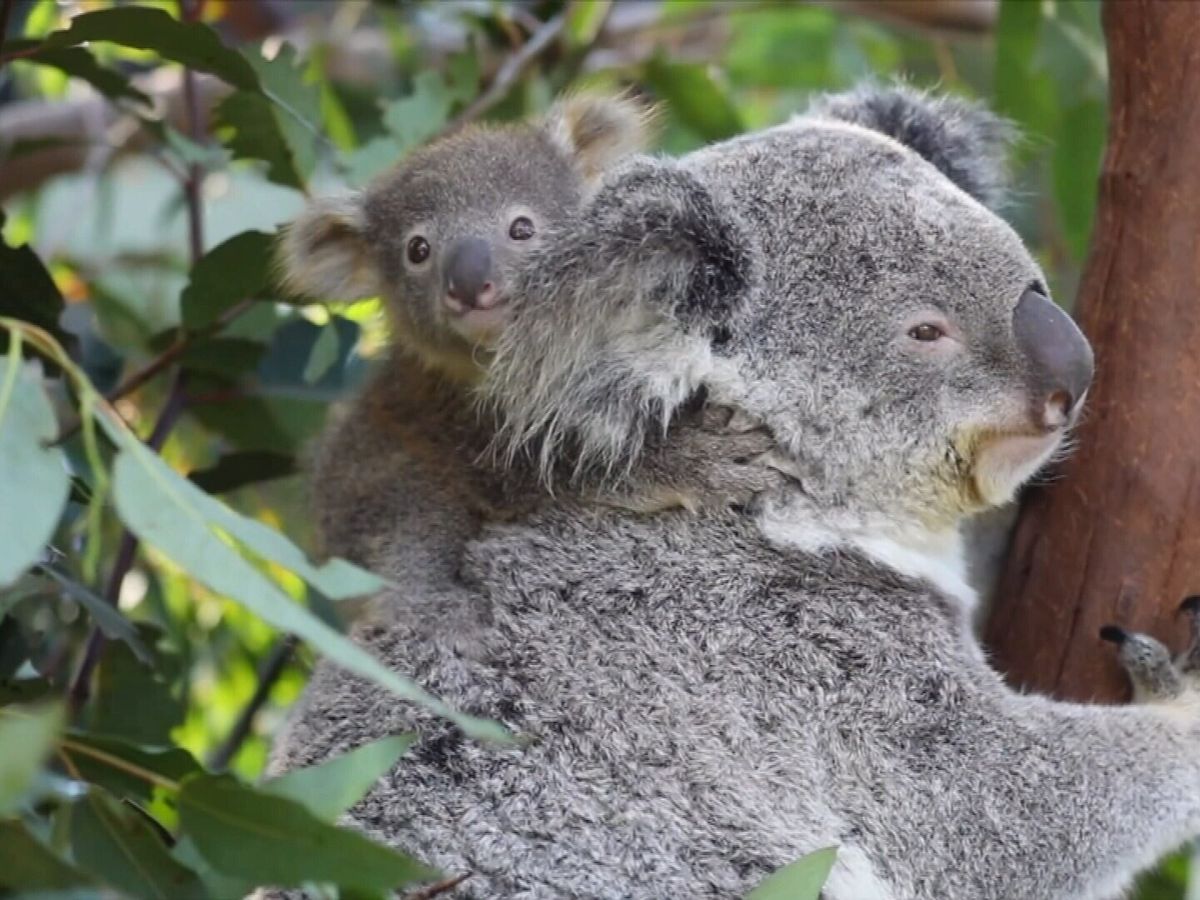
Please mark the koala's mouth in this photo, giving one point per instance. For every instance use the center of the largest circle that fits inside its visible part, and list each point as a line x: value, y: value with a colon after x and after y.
x: 478, y: 325
x: 1003, y: 461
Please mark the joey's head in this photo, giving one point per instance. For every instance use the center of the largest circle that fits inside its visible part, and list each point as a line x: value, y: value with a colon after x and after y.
x: 841, y: 279
x: 439, y: 236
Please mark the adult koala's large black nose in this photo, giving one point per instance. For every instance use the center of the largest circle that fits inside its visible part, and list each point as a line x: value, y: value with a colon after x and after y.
x: 1059, y: 357
x: 468, y: 274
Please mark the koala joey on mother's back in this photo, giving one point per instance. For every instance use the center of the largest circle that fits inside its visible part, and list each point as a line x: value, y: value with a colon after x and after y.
x: 708, y: 696
x: 394, y: 481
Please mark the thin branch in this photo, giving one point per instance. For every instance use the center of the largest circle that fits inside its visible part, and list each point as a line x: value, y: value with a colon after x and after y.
x: 161, y: 362
x: 510, y: 72
x: 438, y: 888
x: 273, y: 667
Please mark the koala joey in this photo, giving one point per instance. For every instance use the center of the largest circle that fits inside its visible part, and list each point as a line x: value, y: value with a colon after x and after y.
x: 437, y: 238
x: 708, y: 695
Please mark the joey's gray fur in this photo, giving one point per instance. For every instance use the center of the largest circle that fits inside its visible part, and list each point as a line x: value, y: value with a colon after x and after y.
x: 396, y: 478
x: 710, y: 694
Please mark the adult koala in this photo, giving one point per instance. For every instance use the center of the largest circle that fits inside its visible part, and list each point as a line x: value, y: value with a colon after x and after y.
x: 710, y: 695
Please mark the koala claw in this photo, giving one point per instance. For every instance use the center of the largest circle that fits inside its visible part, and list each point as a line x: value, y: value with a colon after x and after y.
x: 1154, y: 675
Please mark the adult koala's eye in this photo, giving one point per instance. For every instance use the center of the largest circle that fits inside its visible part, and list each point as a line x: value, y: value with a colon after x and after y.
x: 418, y: 250
x: 926, y: 332
x: 521, y: 228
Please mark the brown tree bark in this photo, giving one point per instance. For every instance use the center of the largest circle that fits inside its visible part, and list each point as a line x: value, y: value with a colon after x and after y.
x: 1117, y: 538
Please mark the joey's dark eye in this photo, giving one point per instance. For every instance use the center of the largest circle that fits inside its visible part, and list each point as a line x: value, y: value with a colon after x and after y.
x: 521, y: 228
x: 418, y: 250
x: 925, y: 332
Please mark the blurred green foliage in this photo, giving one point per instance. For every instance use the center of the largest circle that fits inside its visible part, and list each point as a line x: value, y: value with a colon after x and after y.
x: 98, y: 259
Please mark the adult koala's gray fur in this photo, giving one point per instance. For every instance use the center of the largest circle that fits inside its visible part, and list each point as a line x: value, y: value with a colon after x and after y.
x: 708, y: 695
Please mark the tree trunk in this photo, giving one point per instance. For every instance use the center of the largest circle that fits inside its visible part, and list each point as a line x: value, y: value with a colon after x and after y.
x: 1117, y: 538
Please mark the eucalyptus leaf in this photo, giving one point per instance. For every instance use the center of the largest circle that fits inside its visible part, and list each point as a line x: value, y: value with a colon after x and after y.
x: 28, y: 868
x: 219, y: 885
x: 276, y: 122
x: 696, y: 98
x: 329, y: 789
x: 801, y: 880
x: 120, y: 846
x: 124, y: 768
x: 234, y: 270
x: 27, y: 736
x: 34, y: 481
x: 79, y: 63
x: 197, y: 532
x: 133, y: 701
x: 28, y: 293
x: 107, y: 617
x: 323, y: 355
x: 419, y: 116
x: 235, y: 470
x: 272, y: 840
x: 192, y: 44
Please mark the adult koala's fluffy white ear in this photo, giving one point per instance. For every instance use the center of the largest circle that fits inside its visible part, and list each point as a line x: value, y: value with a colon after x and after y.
x: 598, y: 130
x: 324, y: 252
x: 620, y: 318
x: 969, y: 144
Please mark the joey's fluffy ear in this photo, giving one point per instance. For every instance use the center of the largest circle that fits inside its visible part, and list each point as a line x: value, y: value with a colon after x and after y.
x: 621, y: 317
x: 599, y: 129
x: 324, y: 252
x: 966, y: 142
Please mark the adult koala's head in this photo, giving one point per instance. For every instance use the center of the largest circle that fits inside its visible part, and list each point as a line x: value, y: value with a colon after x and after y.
x: 842, y: 278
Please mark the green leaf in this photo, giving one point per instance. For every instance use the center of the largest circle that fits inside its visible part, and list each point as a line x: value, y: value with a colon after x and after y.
x: 107, y: 617
x: 132, y: 701
x: 329, y: 789
x: 27, y: 292
x: 584, y: 20
x: 27, y: 866
x: 191, y: 44
x: 199, y: 534
x: 696, y: 98
x: 1022, y: 93
x: 235, y: 470
x: 323, y: 355
x: 272, y: 840
x: 1078, y: 154
x: 28, y: 735
x: 373, y: 157
x: 223, y: 356
x: 801, y: 880
x: 786, y: 47
x: 123, y: 768
x: 276, y: 124
x: 296, y: 106
x: 269, y: 424
x: 121, y: 847
x: 419, y: 116
x: 208, y: 156
x: 234, y: 270
x: 80, y: 63
x: 34, y: 482
x: 218, y: 884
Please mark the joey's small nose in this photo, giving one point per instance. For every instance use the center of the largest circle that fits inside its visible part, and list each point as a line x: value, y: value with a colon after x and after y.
x: 468, y: 280
x: 1059, y: 358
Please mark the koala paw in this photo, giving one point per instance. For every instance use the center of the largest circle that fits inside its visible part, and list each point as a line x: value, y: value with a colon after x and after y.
x: 1156, y: 676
